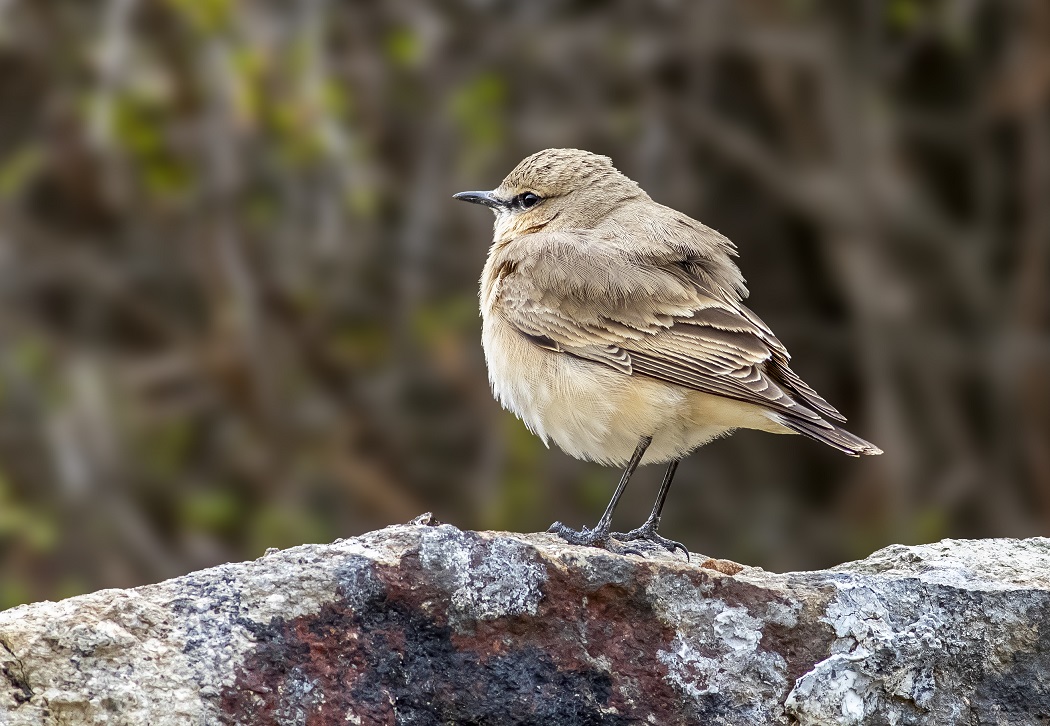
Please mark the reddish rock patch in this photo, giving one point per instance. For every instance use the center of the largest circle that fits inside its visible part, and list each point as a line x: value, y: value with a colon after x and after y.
x: 396, y: 648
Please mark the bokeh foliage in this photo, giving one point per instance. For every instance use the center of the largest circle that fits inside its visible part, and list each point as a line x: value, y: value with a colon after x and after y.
x: 239, y: 307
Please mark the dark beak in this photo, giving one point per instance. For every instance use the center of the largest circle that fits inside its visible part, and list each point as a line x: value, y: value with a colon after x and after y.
x: 487, y: 198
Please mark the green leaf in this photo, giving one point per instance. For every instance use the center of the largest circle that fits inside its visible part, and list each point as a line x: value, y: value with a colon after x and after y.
x: 17, y: 169
x: 479, y: 109
x: 403, y: 47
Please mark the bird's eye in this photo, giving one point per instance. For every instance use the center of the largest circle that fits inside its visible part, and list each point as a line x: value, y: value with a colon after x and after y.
x: 527, y: 200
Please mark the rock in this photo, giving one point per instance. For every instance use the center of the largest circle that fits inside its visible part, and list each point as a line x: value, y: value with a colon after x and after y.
x: 422, y: 624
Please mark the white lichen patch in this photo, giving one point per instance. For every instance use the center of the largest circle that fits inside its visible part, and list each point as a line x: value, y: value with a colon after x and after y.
x: 298, y: 581
x: 716, y: 646
x: 893, y: 638
x: 834, y: 693
x: 970, y: 564
x: 488, y: 579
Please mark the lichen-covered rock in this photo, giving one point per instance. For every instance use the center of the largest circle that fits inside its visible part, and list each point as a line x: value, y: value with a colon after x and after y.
x: 422, y: 625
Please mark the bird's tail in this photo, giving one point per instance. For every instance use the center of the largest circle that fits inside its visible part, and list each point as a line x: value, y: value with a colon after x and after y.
x: 831, y: 435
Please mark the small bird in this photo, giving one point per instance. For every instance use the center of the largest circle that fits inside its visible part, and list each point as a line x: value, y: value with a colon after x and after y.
x: 613, y: 326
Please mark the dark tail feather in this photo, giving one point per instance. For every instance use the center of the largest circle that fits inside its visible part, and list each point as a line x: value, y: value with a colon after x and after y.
x: 831, y: 435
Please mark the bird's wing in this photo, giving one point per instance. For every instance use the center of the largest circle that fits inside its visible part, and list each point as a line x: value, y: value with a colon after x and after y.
x: 653, y: 314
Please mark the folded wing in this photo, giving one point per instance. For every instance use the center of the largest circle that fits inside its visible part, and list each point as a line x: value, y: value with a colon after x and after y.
x: 658, y: 314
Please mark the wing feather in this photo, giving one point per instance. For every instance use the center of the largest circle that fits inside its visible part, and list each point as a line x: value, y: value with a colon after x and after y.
x: 651, y: 314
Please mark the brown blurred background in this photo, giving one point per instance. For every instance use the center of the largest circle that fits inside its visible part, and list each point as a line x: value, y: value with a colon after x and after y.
x: 238, y: 305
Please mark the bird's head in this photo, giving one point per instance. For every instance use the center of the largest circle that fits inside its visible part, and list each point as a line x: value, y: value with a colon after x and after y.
x: 555, y: 189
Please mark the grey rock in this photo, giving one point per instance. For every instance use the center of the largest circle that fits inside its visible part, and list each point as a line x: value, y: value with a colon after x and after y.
x: 425, y: 624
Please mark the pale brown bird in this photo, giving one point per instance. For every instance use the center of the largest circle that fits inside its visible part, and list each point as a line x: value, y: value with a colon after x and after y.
x: 612, y: 325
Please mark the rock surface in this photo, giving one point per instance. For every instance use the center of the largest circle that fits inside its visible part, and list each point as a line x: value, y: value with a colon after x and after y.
x: 420, y: 625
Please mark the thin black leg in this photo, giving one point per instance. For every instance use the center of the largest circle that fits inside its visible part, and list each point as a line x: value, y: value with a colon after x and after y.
x: 665, y: 486
x: 599, y: 536
x: 648, y: 530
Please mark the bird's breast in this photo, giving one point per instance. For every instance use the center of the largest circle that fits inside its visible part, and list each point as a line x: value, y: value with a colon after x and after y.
x: 590, y: 410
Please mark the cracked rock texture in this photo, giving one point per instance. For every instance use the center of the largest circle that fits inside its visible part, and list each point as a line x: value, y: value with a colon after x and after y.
x: 421, y: 625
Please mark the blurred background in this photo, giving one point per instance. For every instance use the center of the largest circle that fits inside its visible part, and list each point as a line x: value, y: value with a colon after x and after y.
x: 238, y: 306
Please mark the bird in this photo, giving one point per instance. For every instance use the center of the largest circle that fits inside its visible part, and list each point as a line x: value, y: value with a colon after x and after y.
x: 614, y: 327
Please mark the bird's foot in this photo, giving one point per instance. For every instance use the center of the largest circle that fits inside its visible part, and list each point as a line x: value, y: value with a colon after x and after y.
x: 597, y: 537
x: 648, y: 533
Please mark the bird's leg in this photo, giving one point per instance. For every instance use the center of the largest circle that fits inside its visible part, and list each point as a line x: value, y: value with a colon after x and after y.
x: 599, y: 536
x: 648, y: 530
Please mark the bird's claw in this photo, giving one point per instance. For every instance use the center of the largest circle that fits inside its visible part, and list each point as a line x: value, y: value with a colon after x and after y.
x: 586, y: 537
x: 648, y: 533
x: 602, y: 538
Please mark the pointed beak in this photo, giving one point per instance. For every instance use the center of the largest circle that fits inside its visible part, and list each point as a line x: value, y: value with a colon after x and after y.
x: 486, y: 198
